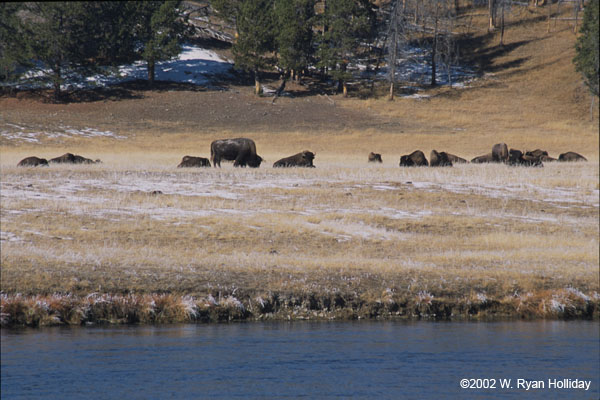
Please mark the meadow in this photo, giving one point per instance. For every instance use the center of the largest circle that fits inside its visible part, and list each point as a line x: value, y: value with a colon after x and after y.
x: 136, y: 239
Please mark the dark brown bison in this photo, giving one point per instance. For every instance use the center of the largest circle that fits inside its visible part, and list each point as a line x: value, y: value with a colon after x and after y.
x: 500, y: 152
x: 33, y: 162
x: 303, y: 159
x: 516, y: 157
x: 375, y: 157
x: 440, y: 159
x: 571, y: 156
x: 414, y: 159
x: 69, y: 158
x: 241, y: 151
x: 538, y: 153
x: 456, y: 159
x: 191, y: 161
x: 541, y: 155
x: 486, y: 158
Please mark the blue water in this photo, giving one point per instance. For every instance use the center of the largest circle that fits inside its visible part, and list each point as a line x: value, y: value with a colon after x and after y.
x: 360, y: 360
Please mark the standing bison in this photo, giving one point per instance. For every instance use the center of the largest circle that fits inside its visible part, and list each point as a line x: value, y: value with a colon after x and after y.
x: 191, y: 161
x: 500, y: 152
x: 375, y: 157
x: 571, y: 156
x: 440, y: 159
x: 241, y: 151
x: 414, y: 159
x: 33, y: 162
x: 303, y: 159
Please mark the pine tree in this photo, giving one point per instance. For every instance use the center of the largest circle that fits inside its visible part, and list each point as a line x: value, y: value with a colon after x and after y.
x: 345, y: 23
x: 586, y: 58
x: 159, y: 32
x: 294, y: 38
x: 14, y: 52
x: 255, y: 37
x: 60, y: 40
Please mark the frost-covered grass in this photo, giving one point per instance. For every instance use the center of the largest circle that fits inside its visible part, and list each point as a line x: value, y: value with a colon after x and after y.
x: 488, y: 229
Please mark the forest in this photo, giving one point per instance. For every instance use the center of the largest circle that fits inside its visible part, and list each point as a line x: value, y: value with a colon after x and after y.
x: 337, y: 40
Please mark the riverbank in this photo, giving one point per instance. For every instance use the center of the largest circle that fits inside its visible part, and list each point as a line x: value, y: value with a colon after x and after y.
x: 37, y: 311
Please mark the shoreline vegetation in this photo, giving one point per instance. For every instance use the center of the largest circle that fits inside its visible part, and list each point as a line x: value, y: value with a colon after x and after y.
x: 55, y: 310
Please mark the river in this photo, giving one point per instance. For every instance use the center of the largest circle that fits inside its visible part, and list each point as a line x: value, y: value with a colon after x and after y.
x: 262, y: 360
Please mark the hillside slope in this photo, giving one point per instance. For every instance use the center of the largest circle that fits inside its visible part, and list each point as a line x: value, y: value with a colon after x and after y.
x: 529, y: 95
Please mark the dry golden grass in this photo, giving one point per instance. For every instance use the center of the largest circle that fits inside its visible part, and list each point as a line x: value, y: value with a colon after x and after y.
x: 343, y: 240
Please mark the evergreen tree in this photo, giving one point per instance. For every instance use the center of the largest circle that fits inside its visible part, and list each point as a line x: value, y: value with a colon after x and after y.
x: 255, y: 37
x: 294, y: 38
x: 159, y: 31
x: 14, y: 52
x: 586, y: 58
x: 346, y: 23
x: 60, y: 40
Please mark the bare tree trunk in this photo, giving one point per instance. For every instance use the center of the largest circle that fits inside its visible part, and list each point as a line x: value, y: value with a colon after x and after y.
x: 502, y: 25
x: 257, y: 88
x: 151, y: 72
x: 394, y: 44
x: 549, y: 14
x: 576, y: 17
x: 434, y: 46
x: 492, y: 12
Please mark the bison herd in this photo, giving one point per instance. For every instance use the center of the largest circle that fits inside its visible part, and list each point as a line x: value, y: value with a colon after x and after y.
x: 499, y: 154
x: 242, y: 151
x: 67, y: 158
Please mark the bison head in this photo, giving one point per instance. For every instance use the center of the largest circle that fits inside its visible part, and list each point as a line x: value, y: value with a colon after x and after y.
x: 254, y: 161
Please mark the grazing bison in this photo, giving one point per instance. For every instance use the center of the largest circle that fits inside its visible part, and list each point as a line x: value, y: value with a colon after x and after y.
x: 456, y: 159
x: 303, y: 159
x: 375, y: 157
x: 486, y: 158
x: 571, y: 156
x: 440, y: 159
x: 414, y: 159
x: 500, y: 152
x: 241, y: 151
x: 69, y: 158
x: 191, y: 161
x: 516, y: 157
x: 33, y: 162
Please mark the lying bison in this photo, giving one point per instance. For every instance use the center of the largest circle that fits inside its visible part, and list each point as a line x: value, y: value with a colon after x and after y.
x: 241, y: 151
x: 486, y: 158
x: 414, y: 159
x: 500, y: 152
x: 541, y: 155
x: 456, y: 159
x: 191, y: 161
x: 33, y: 162
x: 375, y: 157
x: 571, y: 156
x: 440, y: 159
x: 69, y: 158
x: 303, y: 159
x: 516, y: 157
